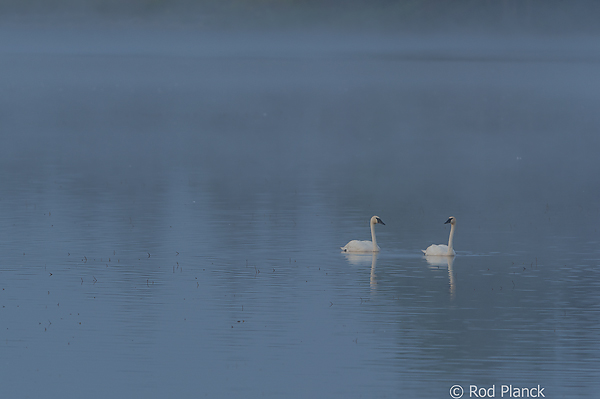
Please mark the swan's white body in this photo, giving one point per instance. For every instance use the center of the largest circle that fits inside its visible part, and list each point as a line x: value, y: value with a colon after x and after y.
x: 441, y: 249
x: 365, y: 246
x: 438, y: 250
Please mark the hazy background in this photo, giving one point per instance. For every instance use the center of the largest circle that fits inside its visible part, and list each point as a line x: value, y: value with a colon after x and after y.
x: 506, y: 16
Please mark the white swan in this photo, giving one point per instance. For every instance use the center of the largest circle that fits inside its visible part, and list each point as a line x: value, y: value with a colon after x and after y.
x: 441, y: 249
x: 365, y: 246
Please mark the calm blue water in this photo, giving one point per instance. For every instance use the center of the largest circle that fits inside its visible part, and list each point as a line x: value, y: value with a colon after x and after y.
x: 171, y: 213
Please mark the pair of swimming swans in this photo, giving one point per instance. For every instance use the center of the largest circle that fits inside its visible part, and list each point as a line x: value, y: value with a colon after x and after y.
x: 371, y: 246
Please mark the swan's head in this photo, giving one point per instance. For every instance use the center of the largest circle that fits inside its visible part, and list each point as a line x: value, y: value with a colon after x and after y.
x: 376, y: 219
x: 451, y: 220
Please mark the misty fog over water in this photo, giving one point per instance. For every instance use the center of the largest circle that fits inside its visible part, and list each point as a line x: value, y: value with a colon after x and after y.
x: 174, y: 195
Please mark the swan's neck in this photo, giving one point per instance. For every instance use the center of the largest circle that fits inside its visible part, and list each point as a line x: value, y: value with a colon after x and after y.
x: 373, y: 237
x: 451, y: 240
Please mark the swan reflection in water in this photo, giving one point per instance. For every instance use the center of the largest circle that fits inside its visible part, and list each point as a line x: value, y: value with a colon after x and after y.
x: 358, y: 259
x: 436, y: 260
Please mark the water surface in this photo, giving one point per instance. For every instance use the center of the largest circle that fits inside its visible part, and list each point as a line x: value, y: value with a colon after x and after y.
x: 172, y: 206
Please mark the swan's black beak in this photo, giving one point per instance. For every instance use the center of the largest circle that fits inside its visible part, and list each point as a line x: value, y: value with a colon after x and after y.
x: 380, y: 221
x: 448, y: 221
